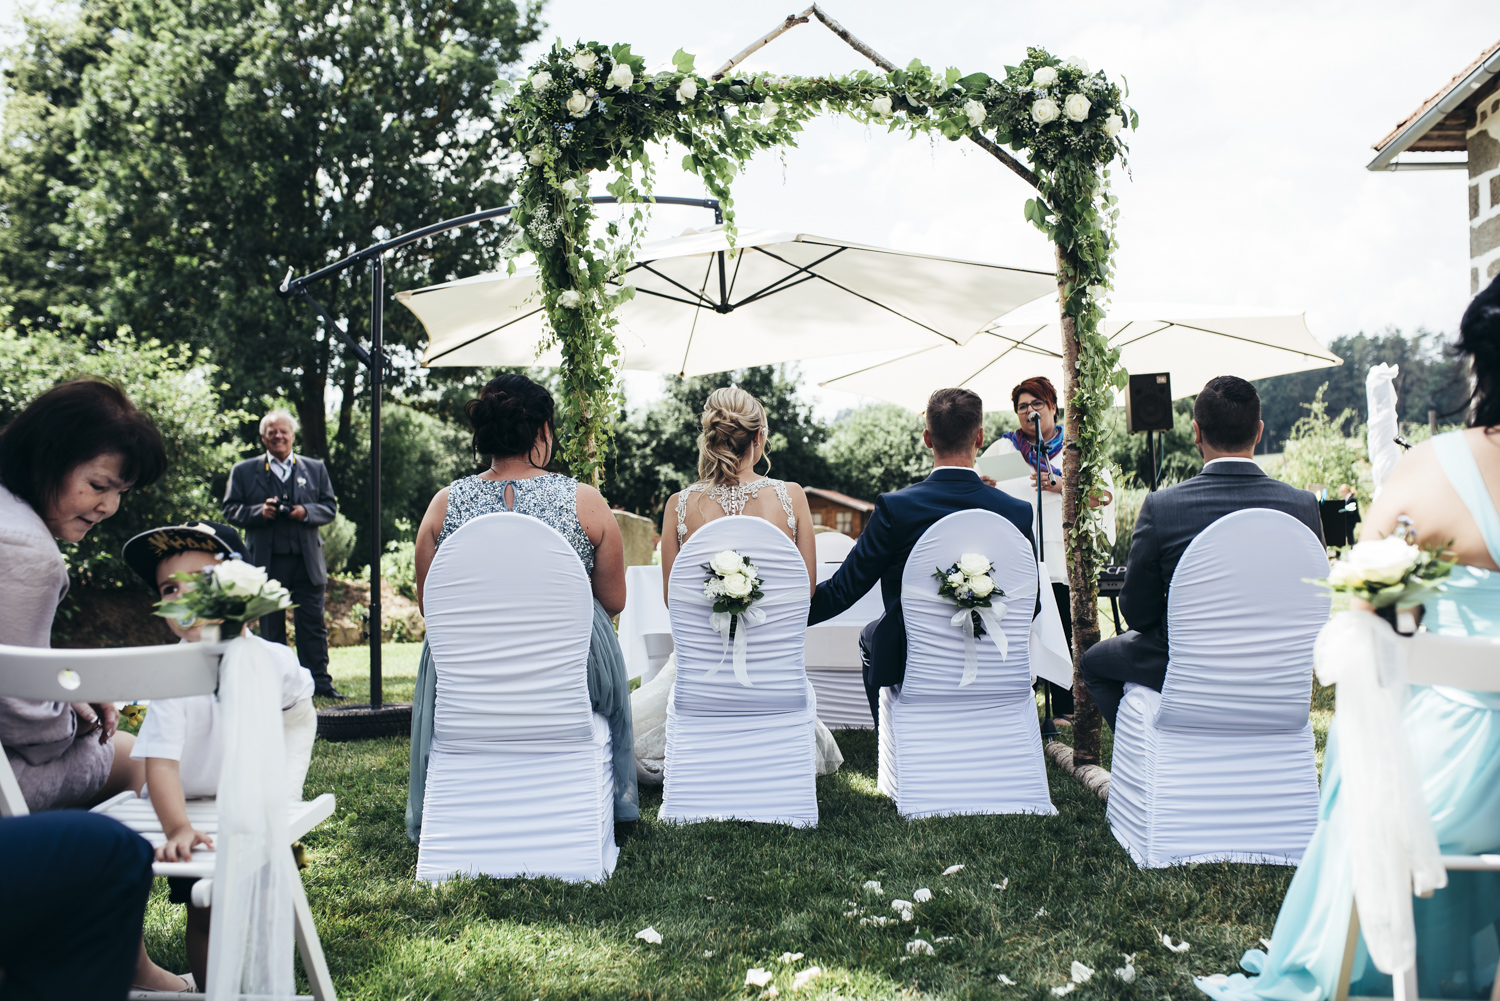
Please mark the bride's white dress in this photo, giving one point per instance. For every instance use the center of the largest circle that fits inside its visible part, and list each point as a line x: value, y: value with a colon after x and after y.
x: 648, y: 704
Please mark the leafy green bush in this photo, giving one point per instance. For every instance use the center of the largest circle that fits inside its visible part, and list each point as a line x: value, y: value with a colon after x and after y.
x: 875, y: 449
x: 398, y: 564
x: 338, y: 543
x: 178, y: 387
x: 1326, y: 450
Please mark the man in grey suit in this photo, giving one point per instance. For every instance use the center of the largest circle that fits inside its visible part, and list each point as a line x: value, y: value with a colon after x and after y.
x: 1226, y: 428
x: 280, y: 499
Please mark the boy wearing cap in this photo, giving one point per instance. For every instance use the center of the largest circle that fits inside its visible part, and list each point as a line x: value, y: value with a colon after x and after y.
x: 180, y: 740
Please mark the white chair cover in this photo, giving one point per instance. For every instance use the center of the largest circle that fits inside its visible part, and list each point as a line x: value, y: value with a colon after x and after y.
x: 832, y: 547
x: 947, y: 748
x: 833, y: 661
x: 1219, y: 765
x: 738, y: 752
x: 519, y: 781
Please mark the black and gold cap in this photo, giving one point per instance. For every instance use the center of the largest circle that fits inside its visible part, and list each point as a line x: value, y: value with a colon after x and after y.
x: 146, y: 550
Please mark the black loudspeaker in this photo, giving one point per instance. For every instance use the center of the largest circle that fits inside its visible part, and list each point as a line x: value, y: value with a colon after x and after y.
x: 1148, y: 407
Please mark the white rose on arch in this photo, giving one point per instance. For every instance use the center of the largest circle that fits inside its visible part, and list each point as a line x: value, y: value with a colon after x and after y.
x: 584, y: 60
x: 976, y: 113
x: 1044, y: 110
x: 622, y: 76
x: 1076, y: 107
x: 535, y: 157
x: 687, y: 90
x: 1112, y: 125
x: 881, y: 106
x: 578, y: 104
x: 569, y: 299
x: 1045, y: 76
x: 541, y: 80
x: 1078, y: 63
x: 571, y: 188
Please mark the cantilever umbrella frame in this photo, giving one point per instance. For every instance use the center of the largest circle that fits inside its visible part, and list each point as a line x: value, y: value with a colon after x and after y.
x: 378, y: 364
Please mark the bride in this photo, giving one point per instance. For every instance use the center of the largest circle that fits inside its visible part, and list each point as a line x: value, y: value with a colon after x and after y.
x: 1448, y: 487
x: 733, y: 440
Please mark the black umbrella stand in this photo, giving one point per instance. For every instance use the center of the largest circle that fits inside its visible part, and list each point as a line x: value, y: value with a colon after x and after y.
x: 379, y: 719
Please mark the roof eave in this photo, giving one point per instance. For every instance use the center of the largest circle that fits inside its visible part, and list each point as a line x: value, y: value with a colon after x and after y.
x: 1457, y: 93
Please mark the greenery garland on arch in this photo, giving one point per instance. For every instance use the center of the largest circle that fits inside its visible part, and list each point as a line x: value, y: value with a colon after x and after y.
x: 588, y: 108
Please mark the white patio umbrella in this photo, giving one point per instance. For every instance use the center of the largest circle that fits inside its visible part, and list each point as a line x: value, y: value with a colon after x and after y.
x: 701, y: 306
x: 1194, y: 343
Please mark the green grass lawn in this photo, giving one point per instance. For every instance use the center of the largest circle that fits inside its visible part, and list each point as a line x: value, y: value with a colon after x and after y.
x: 730, y: 896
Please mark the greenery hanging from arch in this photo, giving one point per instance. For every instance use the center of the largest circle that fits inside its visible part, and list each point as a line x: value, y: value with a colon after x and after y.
x: 589, y: 108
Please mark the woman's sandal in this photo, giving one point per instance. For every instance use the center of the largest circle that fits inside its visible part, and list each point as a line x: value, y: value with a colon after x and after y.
x: 190, y: 986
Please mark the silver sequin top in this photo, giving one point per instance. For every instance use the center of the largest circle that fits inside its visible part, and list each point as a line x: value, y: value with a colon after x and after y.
x: 551, y: 498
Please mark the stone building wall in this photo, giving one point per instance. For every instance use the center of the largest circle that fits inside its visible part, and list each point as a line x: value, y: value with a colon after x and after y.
x: 1484, y: 194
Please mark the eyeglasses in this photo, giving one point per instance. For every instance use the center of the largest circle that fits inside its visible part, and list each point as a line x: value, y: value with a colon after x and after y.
x: 1022, y: 408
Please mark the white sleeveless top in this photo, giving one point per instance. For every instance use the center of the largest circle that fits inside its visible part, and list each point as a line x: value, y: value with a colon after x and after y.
x: 732, y: 501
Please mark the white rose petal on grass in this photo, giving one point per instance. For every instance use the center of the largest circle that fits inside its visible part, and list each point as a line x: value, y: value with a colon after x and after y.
x: 982, y: 585
x: 1126, y: 972
x: 578, y: 104
x: 649, y: 934
x: 873, y: 885
x: 1076, y: 107
x: 1080, y: 973
x: 708, y: 954
x: 919, y: 947
x: 922, y: 896
x: 1112, y: 125
x: 976, y: 113
x: 806, y: 977
x: 1045, y: 76
x: 1041, y: 912
x: 881, y: 106
x: 541, y: 80
x: 771, y: 992
x: 622, y: 76
x: 687, y: 90
x: 569, y: 299
x: 1006, y: 980
x: 1182, y: 946
x: 941, y: 939
x: 879, y: 921
x: 1002, y: 884
x: 1067, y: 988
x: 790, y: 957
x: 756, y: 977
x: 953, y: 869
x: 584, y: 60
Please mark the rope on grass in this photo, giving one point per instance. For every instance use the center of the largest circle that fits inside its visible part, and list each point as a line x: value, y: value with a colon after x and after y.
x: 1093, y: 777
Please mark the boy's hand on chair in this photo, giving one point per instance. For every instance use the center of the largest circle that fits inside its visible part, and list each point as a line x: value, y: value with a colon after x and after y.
x: 180, y: 844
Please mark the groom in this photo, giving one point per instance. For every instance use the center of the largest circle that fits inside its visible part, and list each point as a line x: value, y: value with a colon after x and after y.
x: 955, y: 433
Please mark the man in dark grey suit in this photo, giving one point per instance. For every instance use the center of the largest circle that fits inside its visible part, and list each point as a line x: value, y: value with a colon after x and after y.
x: 280, y: 499
x: 1226, y: 428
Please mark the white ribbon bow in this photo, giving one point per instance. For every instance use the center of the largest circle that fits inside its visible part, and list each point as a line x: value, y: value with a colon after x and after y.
x: 1393, y: 847
x: 753, y: 616
x: 964, y: 619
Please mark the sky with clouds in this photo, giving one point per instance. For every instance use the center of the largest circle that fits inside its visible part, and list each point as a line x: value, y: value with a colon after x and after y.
x: 1246, y: 183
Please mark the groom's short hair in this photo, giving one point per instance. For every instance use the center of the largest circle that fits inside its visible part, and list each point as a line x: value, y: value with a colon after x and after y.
x: 954, y: 417
x: 1228, y: 413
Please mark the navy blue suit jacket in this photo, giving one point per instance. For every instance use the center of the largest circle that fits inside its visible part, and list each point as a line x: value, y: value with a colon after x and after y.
x: 880, y: 554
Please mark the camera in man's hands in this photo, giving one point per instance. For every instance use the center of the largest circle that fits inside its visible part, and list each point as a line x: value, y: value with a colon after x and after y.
x: 284, y: 508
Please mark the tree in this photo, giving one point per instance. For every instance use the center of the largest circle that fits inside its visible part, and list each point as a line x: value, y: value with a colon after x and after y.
x: 208, y: 145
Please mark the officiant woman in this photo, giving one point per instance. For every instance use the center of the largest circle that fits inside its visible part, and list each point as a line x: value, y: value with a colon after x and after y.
x: 513, y: 428
x: 65, y: 463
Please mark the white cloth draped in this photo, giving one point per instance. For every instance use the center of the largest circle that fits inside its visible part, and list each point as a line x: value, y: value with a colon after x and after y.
x: 1380, y: 435
x: 251, y: 935
x: 1393, y: 847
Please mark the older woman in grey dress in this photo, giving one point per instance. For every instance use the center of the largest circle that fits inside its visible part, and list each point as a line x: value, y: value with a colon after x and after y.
x: 513, y: 425
x: 65, y: 462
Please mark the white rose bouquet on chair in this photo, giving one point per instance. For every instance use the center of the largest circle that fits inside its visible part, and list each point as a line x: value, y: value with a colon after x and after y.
x: 230, y: 591
x: 733, y: 585
x: 969, y: 586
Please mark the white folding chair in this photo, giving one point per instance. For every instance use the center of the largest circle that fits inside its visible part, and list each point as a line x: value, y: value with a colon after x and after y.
x: 832, y: 547
x: 153, y: 672
x: 1463, y: 662
x: 737, y: 752
x: 520, y: 779
x: 1219, y: 765
x: 947, y: 748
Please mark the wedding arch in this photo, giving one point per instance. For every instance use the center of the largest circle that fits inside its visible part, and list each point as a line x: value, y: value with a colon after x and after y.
x: 588, y: 108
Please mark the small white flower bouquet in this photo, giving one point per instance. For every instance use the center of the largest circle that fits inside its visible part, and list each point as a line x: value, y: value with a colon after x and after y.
x: 733, y: 583
x: 229, y: 591
x: 1393, y: 572
x: 968, y: 584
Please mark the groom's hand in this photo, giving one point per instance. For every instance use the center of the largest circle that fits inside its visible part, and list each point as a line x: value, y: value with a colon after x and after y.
x: 988, y: 481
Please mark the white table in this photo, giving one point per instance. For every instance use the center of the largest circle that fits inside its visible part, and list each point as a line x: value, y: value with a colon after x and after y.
x: 645, y: 614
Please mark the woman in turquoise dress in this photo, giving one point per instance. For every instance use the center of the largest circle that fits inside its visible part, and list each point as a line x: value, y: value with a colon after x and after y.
x: 1448, y: 487
x: 513, y: 426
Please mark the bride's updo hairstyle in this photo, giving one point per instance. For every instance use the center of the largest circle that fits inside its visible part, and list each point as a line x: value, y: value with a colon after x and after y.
x: 731, y: 420
x: 1479, y: 339
x: 510, y: 412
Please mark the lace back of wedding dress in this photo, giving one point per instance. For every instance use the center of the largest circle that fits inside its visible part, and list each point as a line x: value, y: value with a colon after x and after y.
x: 733, y: 499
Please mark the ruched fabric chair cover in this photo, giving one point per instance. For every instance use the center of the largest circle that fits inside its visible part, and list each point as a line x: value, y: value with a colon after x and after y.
x: 735, y: 752
x: 1218, y: 765
x: 946, y: 749
x: 519, y: 781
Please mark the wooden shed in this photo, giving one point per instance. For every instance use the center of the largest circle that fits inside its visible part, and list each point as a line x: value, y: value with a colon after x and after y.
x: 840, y: 512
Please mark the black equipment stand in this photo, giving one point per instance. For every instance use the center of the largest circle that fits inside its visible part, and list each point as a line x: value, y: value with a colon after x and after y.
x: 1049, y: 726
x: 378, y: 364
